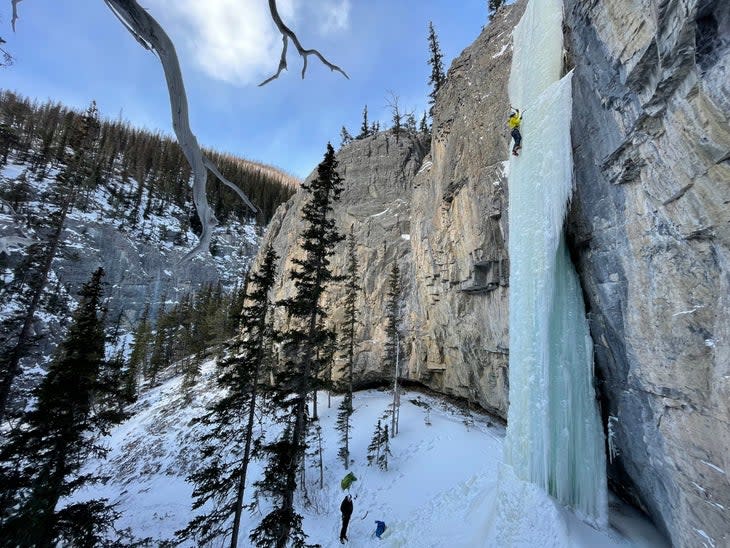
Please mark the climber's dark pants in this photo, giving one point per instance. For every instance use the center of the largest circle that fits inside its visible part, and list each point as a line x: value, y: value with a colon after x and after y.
x: 517, y: 137
x: 345, y: 523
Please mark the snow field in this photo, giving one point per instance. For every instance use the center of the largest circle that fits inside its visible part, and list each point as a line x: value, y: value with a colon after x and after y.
x: 446, y: 486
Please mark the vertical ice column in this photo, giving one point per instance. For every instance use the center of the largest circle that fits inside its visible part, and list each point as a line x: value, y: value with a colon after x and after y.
x: 554, y: 435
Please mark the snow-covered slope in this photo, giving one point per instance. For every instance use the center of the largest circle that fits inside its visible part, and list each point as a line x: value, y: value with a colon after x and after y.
x: 141, y: 256
x: 439, y: 489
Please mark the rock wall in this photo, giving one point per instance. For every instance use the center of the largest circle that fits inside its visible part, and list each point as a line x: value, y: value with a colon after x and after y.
x: 443, y: 218
x: 459, y: 237
x: 376, y: 204
x: 650, y: 231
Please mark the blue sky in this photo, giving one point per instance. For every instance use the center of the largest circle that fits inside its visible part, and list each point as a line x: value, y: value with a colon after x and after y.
x: 75, y: 51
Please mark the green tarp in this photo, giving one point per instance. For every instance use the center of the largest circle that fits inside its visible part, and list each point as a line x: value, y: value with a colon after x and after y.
x: 347, y: 481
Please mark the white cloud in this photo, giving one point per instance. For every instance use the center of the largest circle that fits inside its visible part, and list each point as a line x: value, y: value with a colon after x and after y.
x: 235, y: 40
x: 335, y: 16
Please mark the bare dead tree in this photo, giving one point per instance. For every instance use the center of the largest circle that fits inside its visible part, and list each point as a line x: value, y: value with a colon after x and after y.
x: 6, y: 58
x: 397, y: 114
x: 150, y: 34
x: 286, y: 35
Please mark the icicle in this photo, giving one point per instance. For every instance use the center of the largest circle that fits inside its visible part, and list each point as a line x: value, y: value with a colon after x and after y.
x: 554, y: 437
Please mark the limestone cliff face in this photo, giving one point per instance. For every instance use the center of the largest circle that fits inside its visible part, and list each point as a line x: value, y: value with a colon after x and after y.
x: 376, y: 203
x: 651, y: 234
x: 459, y: 236
x: 443, y: 218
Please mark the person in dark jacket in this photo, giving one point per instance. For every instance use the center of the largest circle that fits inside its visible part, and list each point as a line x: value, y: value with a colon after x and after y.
x: 346, y: 509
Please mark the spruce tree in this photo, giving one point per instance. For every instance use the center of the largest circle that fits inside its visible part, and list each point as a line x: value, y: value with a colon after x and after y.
x: 65, y: 192
x: 227, y: 442
x: 411, y: 125
x: 298, y: 378
x: 392, y: 340
x: 345, y: 137
x: 364, y: 128
x: 423, y: 126
x: 41, y: 460
x: 352, y: 289
x: 375, y: 444
x: 382, y: 458
x: 138, y: 357
x: 493, y: 6
x: 396, y: 115
x: 159, y: 354
x: 435, y: 60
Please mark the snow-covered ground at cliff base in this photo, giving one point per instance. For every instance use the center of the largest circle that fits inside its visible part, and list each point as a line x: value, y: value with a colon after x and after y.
x: 440, y: 490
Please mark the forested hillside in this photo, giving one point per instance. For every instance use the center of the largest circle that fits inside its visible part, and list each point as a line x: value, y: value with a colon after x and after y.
x: 39, y: 134
x: 79, y: 193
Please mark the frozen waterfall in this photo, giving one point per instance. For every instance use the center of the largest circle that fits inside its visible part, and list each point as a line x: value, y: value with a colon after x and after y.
x: 554, y: 437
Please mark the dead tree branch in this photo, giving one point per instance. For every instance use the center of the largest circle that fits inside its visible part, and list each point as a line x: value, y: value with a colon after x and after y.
x: 148, y: 32
x: 214, y: 170
x: 15, y: 12
x: 288, y: 34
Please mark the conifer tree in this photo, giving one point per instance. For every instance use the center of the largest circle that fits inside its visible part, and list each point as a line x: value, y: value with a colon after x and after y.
x: 364, y: 128
x: 160, y: 347
x: 375, y: 444
x: 227, y: 442
x: 352, y: 288
x: 296, y: 381
x: 435, y: 60
x: 392, y: 340
x: 138, y: 358
x: 41, y: 461
x: 384, y: 449
x: 325, y: 362
x: 411, y: 126
x: 345, y: 137
x: 66, y: 190
x: 396, y: 114
x: 423, y: 126
x: 493, y: 6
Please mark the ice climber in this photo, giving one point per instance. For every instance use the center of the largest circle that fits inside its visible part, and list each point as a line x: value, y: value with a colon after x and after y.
x: 514, y: 124
x: 346, y: 509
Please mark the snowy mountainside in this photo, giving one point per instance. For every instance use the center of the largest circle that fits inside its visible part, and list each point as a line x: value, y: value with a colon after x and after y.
x: 439, y: 490
x: 141, y: 256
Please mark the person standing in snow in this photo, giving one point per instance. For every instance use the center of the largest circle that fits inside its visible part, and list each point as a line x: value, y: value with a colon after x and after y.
x: 379, y: 528
x: 346, y: 509
x: 514, y: 124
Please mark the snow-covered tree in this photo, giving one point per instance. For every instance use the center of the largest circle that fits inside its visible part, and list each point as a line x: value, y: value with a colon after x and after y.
x: 36, y: 269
